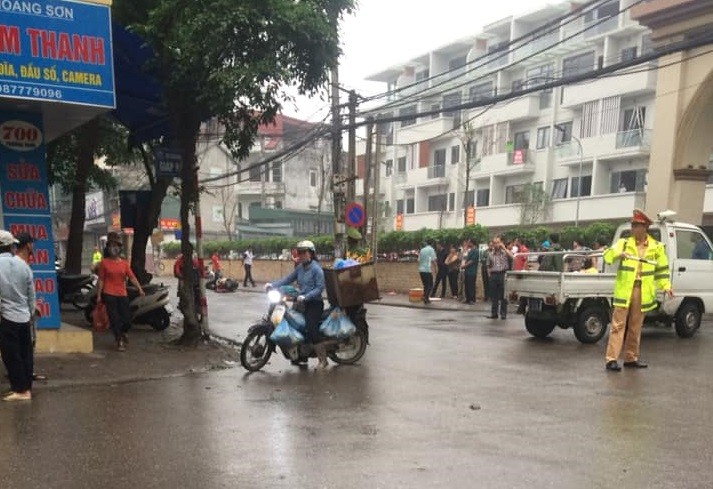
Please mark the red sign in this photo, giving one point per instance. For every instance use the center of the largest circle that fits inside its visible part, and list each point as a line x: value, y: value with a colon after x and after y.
x: 399, y: 222
x: 518, y: 157
x: 168, y: 224
x: 470, y: 215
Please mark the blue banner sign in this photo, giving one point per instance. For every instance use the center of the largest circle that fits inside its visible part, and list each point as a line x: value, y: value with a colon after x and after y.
x: 25, y: 202
x: 56, y: 50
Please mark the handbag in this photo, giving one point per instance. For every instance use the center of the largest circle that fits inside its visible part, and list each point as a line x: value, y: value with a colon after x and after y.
x: 100, y: 318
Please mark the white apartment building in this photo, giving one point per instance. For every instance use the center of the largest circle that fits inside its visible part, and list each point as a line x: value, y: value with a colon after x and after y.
x: 584, y: 146
x: 297, y: 181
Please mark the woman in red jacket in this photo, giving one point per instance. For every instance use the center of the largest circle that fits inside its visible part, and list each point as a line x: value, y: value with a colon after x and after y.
x: 111, y: 290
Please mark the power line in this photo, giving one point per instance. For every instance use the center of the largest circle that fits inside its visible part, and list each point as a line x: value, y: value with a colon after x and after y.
x: 409, y: 100
x: 556, y: 23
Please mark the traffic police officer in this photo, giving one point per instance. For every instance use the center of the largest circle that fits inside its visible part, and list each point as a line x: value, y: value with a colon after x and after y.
x: 643, y: 267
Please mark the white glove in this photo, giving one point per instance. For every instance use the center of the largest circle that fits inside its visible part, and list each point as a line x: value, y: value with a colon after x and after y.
x: 300, y: 298
x: 268, y: 286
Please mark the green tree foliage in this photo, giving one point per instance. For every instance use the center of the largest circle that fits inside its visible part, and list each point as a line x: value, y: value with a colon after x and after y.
x: 231, y: 60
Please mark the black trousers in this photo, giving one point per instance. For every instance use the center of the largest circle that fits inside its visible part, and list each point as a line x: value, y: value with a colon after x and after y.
x: 453, y: 279
x: 248, y: 275
x: 441, y: 279
x: 427, y: 281
x: 119, y: 315
x: 497, y: 294
x: 313, y: 316
x: 469, y: 286
x: 16, y: 349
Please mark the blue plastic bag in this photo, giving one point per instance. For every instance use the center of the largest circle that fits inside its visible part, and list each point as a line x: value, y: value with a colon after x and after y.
x: 337, y: 325
x: 286, y: 335
x: 330, y: 326
x: 296, y: 319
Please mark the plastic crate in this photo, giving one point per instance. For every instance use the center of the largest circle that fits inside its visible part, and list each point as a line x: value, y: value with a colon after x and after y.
x: 351, y: 286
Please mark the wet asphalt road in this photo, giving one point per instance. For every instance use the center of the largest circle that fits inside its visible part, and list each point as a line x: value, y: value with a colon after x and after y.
x: 439, y: 400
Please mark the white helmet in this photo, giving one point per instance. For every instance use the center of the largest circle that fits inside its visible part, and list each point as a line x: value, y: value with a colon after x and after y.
x: 306, y: 245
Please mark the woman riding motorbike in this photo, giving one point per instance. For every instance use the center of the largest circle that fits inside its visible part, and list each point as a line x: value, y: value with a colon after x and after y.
x: 310, y: 281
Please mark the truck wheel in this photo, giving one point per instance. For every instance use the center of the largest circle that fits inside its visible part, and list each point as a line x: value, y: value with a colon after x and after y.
x: 539, y: 328
x: 688, y: 319
x: 591, y: 325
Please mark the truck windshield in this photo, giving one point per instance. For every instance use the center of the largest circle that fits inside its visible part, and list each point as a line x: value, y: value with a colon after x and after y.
x: 653, y: 232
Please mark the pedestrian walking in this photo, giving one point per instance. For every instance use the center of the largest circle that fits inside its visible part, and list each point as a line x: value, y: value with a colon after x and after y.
x: 441, y: 270
x: 470, y: 268
x: 498, y: 263
x: 111, y: 290
x: 634, y: 289
x: 453, y: 265
x: 248, y: 266
x: 426, y: 268
x: 17, y: 306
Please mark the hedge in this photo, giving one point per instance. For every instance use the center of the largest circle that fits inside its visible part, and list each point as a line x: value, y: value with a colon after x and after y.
x: 398, y: 241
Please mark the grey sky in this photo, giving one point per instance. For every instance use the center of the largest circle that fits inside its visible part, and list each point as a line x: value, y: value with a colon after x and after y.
x: 382, y: 33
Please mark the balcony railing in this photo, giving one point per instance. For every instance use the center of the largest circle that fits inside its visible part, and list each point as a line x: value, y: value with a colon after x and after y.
x: 633, y: 138
x: 437, y: 171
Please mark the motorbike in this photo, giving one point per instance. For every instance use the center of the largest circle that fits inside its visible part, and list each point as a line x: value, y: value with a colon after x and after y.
x: 75, y: 289
x: 152, y: 309
x: 257, y: 348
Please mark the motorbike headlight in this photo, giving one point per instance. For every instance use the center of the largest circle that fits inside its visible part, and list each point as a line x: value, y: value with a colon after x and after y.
x: 274, y: 296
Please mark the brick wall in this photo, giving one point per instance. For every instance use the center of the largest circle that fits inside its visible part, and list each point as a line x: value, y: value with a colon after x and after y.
x: 392, y: 277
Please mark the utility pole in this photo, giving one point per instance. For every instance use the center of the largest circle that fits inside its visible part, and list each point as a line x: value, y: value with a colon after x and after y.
x: 376, y: 199
x: 369, y: 160
x: 351, y: 172
x: 338, y: 179
x: 205, y: 331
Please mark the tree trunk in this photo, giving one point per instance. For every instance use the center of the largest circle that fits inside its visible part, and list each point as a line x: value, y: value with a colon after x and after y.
x: 87, y: 140
x: 144, y: 228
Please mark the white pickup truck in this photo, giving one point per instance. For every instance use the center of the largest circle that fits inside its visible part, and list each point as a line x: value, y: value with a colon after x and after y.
x: 582, y: 301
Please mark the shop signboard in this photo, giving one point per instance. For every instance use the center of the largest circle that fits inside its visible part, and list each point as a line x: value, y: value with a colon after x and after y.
x: 56, y: 50
x: 25, y: 203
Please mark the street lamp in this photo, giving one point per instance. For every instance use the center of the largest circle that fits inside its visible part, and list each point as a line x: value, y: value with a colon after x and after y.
x: 561, y: 129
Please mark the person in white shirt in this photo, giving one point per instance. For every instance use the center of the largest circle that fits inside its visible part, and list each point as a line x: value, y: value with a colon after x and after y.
x: 248, y: 265
x: 17, y: 305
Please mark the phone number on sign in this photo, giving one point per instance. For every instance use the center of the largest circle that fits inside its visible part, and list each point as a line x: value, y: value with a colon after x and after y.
x: 12, y: 89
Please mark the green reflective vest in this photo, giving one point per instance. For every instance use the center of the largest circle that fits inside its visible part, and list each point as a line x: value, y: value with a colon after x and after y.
x: 652, y: 276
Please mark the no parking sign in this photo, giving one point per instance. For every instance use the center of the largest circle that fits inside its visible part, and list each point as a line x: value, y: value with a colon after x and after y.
x: 354, y: 215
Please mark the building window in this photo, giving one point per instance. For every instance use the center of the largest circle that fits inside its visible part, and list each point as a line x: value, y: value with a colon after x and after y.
x: 455, y: 64
x: 559, y: 188
x: 563, y: 132
x: 522, y: 140
x: 628, y: 54
x: 482, y: 91
x: 410, y: 206
x: 451, y: 201
x: 278, y: 204
x: 472, y: 150
x: 277, y: 172
x: 312, y: 178
x: 400, y: 206
x: 517, y: 85
x: 437, y: 203
x: 482, y: 197
x: 628, y: 181
x: 455, y: 154
x: 633, y: 119
x: 255, y: 173
x: 421, y: 75
x: 543, y: 137
x: 407, y: 111
x: 586, y: 186
x: 439, y: 157
x: 576, y: 65
x: 389, y: 167
x: 218, y: 213
x: 435, y: 108
x: 451, y: 100
x: 514, y: 194
x: 538, y: 76
x: 401, y: 164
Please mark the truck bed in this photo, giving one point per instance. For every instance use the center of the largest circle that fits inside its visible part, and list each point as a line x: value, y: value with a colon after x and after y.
x: 561, y: 285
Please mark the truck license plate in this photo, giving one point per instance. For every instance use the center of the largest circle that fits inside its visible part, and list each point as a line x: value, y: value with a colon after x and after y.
x: 535, y: 305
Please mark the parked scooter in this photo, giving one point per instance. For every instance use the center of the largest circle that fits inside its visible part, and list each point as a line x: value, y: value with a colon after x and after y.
x: 75, y: 289
x: 152, y: 309
x: 257, y: 347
